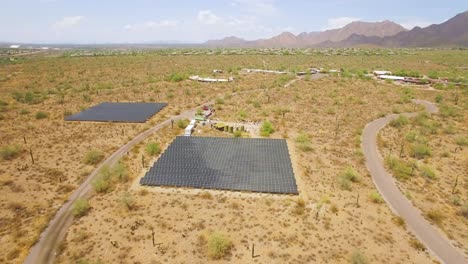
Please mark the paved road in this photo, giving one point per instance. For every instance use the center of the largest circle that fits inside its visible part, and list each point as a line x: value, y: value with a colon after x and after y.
x: 436, y: 242
x: 44, y: 250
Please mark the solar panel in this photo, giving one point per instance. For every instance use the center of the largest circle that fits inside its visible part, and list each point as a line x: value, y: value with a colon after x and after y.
x: 119, y: 112
x: 257, y: 165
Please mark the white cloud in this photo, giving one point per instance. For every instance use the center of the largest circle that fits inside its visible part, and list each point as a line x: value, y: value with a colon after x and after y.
x: 207, y: 17
x: 149, y: 25
x: 67, y: 23
x: 339, y: 22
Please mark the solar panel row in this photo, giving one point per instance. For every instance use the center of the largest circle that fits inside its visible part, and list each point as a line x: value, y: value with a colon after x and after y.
x: 119, y: 112
x: 258, y: 165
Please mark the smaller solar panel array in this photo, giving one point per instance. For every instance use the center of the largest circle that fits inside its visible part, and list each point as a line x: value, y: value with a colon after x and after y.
x: 119, y: 112
x: 257, y: 165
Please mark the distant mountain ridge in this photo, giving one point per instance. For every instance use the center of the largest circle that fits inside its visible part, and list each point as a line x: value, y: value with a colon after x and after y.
x: 453, y: 32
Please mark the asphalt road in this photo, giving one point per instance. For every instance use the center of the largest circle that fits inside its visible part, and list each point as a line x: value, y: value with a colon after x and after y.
x: 436, y: 242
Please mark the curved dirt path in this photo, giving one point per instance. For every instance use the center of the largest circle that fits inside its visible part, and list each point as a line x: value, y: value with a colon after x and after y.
x: 430, y: 236
x: 44, y: 250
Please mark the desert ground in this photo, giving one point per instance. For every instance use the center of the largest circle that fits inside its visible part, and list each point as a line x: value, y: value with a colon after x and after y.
x: 335, y: 219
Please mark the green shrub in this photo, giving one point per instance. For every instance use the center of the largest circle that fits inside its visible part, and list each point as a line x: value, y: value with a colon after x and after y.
x: 400, y: 121
x: 375, y: 197
x: 448, y: 111
x: 28, y: 97
x: 401, y: 169
x: 80, y: 207
x: 266, y: 129
x: 218, y: 245
x: 303, y: 142
x: 347, y: 177
x: 93, y: 157
x: 176, y: 77
x: 153, y: 148
x: 183, y: 123
x: 358, y: 258
x: 101, y: 183
x: 439, y: 98
x: 10, y: 152
x: 461, y: 141
x: 219, y: 101
x: 237, y: 133
x: 41, y: 115
x: 417, y: 245
x: 420, y: 151
x: 427, y: 172
x: 120, y: 172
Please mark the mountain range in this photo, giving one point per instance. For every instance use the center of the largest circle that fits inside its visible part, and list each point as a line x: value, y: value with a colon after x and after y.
x: 453, y: 32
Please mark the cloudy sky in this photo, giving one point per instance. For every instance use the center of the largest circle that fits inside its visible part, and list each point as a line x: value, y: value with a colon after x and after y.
x: 137, y: 21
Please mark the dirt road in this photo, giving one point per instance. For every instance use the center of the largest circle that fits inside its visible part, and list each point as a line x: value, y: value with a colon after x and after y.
x: 436, y: 242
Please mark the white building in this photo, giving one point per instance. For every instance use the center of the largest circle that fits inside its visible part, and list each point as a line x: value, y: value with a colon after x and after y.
x: 391, y: 77
x: 378, y: 73
x: 15, y: 46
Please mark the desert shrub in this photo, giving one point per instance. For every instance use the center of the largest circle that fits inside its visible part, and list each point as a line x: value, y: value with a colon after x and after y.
x: 427, y: 172
x: 41, y: 115
x: 461, y: 141
x: 448, y: 111
x: 28, y: 97
x: 183, y: 123
x: 347, y: 177
x: 439, y: 98
x: 464, y: 210
x: 127, y: 201
x: 120, y: 172
x: 303, y: 142
x: 399, y: 221
x: 300, y: 206
x: 219, y: 100
x: 93, y: 157
x: 435, y: 217
x: 13, y: 254
x: 218, y: 245
x: 375, y: 197
x: 401, y: 169
x: 358, y: 258
x: 237, y: 134
x: 176, y: 77
x: 417, y: 245
x: 80, y: 207
x: 101, y: 183
x: 206, y: 195
x: 400, y: 121
x: 24, y: 112
x: 243, y: 114
x: 420, y: 151
x: 406, y: 73
x: 456, y: 200
x: 153, y: 148
x: 266, y: 129
x: 2, y: 117
x: 10, y: 152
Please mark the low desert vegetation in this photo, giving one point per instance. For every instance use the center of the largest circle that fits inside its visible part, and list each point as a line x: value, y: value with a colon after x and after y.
x: 80, y: 207
x: 266, y: 129
x: 218, y: 245
x: 347, y: 177
x: 93, y: 157
x: 153, y: 148
x: 10, y: 152
x: 358, y: 258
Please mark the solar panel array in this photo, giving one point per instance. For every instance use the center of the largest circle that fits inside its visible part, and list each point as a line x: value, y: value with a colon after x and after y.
x: 119, y: 112
x: 257, y: 165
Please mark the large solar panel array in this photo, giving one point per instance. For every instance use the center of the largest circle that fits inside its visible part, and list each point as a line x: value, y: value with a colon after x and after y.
x: 119, y: 112
x: 257, y: 165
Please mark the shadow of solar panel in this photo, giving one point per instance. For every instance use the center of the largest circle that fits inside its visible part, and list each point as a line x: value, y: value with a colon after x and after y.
x: 257, y: 165
x: 118, y: 112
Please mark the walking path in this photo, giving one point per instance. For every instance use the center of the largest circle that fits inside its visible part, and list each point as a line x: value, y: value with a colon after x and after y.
x: 436, y: 242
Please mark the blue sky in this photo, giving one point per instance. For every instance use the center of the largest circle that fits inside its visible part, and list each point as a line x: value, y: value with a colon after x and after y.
x: 136, y: 21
